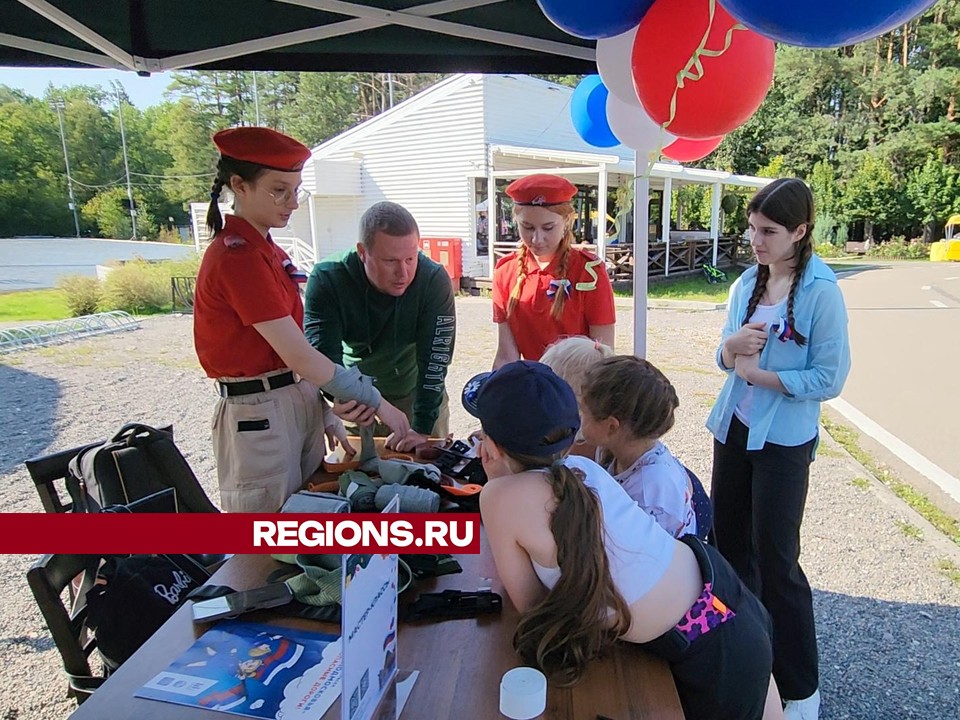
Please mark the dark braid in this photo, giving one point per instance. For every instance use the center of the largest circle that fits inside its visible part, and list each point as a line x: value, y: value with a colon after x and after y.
x: 227, y: 167
x: 763, y: 273
x: 804, y: 251
x: 214, y: 219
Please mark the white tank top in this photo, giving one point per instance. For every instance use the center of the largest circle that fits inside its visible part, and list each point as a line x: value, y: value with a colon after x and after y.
x: 771, y: 315
x: 638, y: 549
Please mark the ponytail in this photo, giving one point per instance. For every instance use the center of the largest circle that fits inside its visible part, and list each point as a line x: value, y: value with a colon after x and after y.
x: 584, y: 613
x: 214, y: 219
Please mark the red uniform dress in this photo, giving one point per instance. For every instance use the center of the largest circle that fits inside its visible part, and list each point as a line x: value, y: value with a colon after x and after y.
x: 589, y: 302
x: 267, y: 442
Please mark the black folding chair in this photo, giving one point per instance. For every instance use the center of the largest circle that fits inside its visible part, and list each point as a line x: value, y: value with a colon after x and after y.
x: 48, y: 578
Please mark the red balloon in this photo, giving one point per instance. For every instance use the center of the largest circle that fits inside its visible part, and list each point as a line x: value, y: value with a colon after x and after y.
x: 687, y: 150
x: 719, y: 88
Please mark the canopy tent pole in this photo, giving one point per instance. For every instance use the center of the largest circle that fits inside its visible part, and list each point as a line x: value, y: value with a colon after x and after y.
x: 493, y: 219
x: 641, y: 244
x: 602, y: 211
x: 665, y: 209
x: 715, y: 218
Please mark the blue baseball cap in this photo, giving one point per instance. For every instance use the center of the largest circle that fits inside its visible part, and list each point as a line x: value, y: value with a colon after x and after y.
x: 521, y: 405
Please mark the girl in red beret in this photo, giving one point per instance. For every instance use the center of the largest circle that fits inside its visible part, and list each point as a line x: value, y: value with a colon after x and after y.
x: 269, y: 425
x: 548, y: 289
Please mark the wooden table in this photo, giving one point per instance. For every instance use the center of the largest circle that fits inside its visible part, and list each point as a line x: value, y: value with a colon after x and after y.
x: 460, y: 662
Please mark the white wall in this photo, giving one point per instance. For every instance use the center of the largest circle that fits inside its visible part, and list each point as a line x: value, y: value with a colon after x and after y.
x: 419, y: 155
x: 528, y: 112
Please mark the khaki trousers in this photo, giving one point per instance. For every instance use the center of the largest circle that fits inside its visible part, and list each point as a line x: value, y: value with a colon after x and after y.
x: 267, y: 444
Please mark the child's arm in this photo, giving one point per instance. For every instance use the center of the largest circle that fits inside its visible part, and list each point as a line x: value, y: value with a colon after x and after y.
x: 499, y: 508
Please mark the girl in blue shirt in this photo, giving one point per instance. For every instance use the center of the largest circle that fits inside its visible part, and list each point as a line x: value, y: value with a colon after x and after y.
x: 785, y: 350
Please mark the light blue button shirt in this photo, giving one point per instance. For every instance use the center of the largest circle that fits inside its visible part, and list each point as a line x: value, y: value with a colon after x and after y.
x: 811, y: 374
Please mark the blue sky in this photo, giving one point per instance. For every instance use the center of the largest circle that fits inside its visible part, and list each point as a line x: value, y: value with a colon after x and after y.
x: 143, y: 92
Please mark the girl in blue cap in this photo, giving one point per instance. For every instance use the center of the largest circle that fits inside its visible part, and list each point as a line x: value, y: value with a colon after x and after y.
x: 585, y: 566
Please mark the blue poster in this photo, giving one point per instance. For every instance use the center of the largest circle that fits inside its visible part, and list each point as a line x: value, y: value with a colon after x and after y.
x: 254, y: 670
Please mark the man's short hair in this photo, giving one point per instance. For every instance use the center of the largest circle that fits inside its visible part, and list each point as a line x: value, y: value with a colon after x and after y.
x: 386, y: 217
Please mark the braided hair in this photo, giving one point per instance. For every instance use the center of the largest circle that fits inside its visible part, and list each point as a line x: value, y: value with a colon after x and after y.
x: 787, y: 202
x: 566, y: 211
x: 227, y: 167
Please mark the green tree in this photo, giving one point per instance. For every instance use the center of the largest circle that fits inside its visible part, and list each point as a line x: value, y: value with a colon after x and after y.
x: 871, y: 196
x: 33, y: 188
x: 108, y: 212
x: 934, y: 191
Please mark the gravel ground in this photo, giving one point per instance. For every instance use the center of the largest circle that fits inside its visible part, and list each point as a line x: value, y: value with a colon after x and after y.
x: 887, y: 618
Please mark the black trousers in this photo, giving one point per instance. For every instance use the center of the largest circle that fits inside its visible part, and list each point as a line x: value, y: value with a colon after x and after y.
x: 723, y: 674
x: 758, y: 502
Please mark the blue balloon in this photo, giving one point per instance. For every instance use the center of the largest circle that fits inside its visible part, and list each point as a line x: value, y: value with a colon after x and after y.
x: 596, y: 19
x: 824, y: 23
x: 588, y: 110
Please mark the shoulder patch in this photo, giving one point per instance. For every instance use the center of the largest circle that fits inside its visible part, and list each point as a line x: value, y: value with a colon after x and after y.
x: 233, y: 241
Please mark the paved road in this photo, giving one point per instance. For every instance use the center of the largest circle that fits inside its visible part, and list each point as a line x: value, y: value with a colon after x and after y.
x: 905, y: 339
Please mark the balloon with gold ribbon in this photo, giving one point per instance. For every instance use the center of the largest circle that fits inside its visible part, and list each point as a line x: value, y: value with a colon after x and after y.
x: 697, y: 71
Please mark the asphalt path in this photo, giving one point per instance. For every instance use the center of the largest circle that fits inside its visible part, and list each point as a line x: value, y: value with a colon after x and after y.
x: 905, y: 342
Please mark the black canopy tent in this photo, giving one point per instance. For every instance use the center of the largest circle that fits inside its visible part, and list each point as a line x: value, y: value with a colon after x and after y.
x: 311, y: 35
x: 150, y: 36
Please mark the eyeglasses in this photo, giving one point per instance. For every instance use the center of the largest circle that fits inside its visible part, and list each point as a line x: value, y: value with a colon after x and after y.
x: 282, y: 198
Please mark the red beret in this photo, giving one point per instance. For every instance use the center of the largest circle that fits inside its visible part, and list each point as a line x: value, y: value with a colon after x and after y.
x: 541, y: 189
x: 262, y: 146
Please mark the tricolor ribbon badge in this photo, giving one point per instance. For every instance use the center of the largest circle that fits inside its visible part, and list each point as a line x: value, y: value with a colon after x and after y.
x: 298, y: 276
x: 557, y: 284
x: 783, y: 330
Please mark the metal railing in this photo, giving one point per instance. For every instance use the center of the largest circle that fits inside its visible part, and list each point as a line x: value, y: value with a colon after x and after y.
x: 60, y: 331
x: 182, y: 289
x: 300, y: 251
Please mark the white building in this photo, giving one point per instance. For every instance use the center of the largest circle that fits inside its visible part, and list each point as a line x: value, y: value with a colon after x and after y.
x: 432, y: 154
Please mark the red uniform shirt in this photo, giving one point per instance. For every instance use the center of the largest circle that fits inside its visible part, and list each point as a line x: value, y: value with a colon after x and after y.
x: 241, y: 281
x: 590, y: 301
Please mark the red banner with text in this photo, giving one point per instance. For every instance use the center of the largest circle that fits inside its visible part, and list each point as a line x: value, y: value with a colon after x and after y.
x: 287, y: 533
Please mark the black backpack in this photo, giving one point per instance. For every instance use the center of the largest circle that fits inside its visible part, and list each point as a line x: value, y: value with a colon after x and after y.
x: 133, y: 596
x: 136, y: 462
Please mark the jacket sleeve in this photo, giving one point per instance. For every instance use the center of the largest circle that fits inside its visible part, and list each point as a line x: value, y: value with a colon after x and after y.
x: 732, y: 324
x: 436, y: 335
x: 321, y: 316
x: 828, y: 359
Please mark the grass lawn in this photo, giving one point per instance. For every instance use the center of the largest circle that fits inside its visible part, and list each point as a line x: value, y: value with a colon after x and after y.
x: 28, y: 306
x: 687, y: 287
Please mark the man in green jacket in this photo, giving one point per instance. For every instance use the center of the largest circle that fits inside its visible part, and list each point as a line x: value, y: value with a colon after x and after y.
x: 389, y: 310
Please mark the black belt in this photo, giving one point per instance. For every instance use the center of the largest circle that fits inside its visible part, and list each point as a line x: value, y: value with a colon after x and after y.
x: 249, y: 387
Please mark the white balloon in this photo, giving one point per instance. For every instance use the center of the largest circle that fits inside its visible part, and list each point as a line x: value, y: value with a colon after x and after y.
x: 634, y: 128
x: 614, y: 57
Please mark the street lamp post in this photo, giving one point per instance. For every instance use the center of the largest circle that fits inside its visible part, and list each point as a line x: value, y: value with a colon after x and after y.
x: 58, y: 105
x: 126, y: 165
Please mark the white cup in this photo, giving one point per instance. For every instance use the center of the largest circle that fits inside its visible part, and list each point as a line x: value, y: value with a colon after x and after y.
x: 523, y: 693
